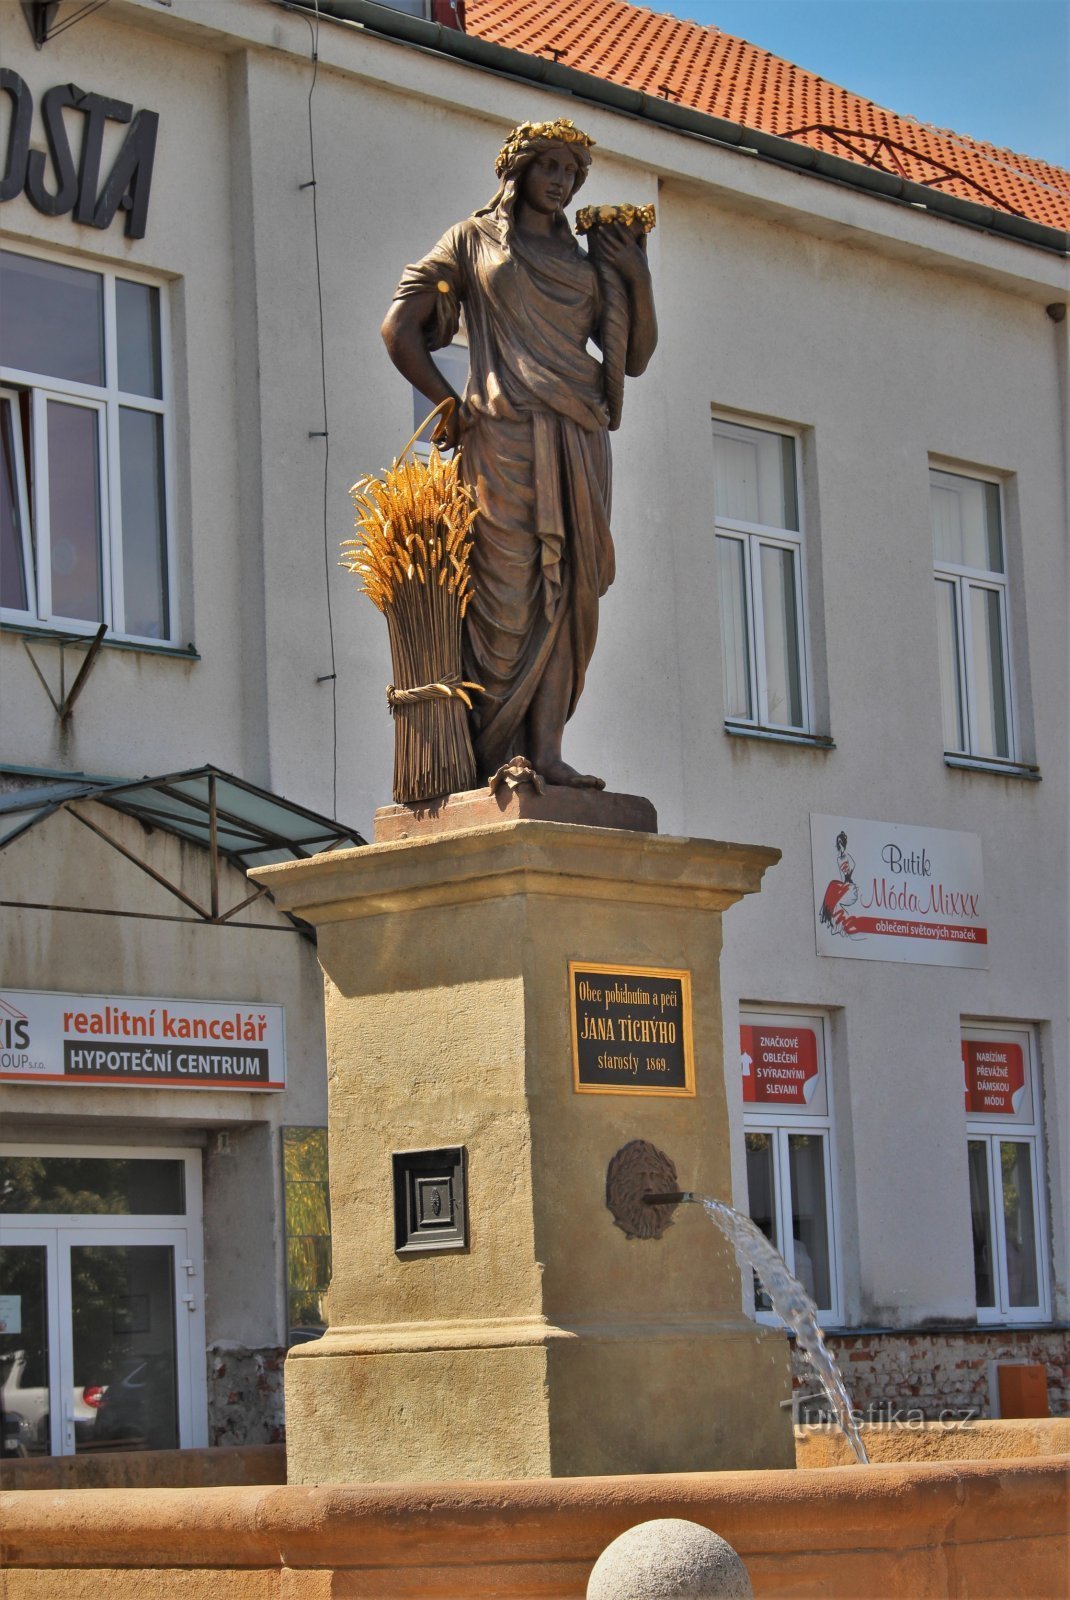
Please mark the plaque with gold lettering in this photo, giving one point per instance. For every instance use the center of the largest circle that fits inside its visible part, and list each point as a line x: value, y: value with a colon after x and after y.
x: 631, y: 1030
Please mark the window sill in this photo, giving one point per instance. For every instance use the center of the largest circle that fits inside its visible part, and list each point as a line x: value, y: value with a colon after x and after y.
x: 999, y: 769
x: 28, y: 630
x: 770, y: 1319
x: 811, y: 741
x: 954, y: 1330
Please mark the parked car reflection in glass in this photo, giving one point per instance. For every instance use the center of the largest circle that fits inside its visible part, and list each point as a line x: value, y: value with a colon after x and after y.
x: 138, y: 1410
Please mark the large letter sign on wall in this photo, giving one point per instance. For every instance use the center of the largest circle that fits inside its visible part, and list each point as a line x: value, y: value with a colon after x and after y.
x: 142, y: 1043
x: 54, y: 184
x: 887, y: 892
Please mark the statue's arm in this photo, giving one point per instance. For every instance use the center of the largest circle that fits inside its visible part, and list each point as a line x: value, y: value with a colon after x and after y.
x: 628, y: 255
x: 404, y: 333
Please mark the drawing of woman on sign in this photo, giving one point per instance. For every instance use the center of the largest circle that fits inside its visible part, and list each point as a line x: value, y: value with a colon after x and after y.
x: 533, y: 428
x: 841, y: 894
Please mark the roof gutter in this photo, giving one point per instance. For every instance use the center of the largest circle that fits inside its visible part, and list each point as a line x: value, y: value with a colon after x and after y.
x: 405, y: 29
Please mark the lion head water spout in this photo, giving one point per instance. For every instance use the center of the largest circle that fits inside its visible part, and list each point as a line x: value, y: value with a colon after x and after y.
x: 789, y: 1299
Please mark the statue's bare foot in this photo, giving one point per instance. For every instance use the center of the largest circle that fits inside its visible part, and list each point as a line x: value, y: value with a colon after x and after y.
x: 559, y: 772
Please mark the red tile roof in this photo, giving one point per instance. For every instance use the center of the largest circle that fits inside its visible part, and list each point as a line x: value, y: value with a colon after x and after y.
x: 717, y: 73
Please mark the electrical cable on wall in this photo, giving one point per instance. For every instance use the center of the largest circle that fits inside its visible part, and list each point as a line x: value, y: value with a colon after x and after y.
x: 324, y: 433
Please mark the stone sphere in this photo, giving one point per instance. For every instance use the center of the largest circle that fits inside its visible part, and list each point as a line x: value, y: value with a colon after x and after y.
x: 668, y: 1559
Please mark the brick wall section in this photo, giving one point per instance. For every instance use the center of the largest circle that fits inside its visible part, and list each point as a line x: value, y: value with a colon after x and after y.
x: 245, y: 1403
x: 932, y: 1372
x: 922, y: 1371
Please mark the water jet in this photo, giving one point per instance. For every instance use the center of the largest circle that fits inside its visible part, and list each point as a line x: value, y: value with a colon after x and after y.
x: 628, y: 1192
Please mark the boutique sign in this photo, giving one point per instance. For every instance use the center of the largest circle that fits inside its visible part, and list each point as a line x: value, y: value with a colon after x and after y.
x: 48, y: 1038
x: 60, y: 182
x: 887, y: 892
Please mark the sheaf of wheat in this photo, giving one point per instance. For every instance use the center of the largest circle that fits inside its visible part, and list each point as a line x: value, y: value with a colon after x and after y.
x: 412, y: 553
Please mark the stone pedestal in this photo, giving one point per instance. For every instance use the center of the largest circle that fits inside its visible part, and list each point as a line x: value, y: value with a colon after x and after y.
x: 550, y: 1344
x: 480, y: 808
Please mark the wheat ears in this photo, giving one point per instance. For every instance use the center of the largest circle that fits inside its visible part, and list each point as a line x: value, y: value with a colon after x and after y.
x: 412, y: 553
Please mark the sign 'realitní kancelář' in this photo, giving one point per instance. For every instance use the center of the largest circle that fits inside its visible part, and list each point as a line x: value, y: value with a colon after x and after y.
x: 48, y: 1038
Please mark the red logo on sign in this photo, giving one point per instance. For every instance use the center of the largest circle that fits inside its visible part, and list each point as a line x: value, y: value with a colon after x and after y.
x: 995, y: 1077
x: 779, y: 1065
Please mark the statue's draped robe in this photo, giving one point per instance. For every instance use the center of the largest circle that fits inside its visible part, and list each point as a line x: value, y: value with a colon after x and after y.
x: 536, y: 456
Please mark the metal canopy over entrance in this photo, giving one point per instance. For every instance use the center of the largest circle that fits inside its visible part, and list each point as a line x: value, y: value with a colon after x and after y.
x: 227, y: 816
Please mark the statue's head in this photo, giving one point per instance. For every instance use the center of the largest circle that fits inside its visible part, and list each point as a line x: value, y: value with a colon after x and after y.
x: 537, y: 145
x: 533, y: 139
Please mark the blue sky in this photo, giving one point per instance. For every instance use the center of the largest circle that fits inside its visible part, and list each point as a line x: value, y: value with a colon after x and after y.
x: 994, y: 69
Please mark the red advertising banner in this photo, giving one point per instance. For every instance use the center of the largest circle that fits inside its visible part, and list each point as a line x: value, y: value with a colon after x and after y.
x: 995, y: 1077
x: 779, y: 1065
x: 950, y: 933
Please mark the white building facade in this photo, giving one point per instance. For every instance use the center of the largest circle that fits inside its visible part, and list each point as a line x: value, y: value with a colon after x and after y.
x: 838, y: 627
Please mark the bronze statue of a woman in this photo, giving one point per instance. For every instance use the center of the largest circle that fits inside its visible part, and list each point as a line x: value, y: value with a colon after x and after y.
x: 533, y: 426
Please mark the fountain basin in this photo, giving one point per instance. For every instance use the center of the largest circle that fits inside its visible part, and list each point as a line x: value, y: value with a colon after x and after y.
x: 988, y: 1439
x: 932, y: 1529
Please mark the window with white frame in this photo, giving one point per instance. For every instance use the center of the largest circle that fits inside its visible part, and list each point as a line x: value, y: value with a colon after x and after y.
x: 1005, y: 1152
x: 760, y: 574
x: 788, y: 1131
x: 84, y: 529
x: 972, y: 626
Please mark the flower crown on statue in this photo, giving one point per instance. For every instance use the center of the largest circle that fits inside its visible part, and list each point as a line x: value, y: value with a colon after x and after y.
x: 563, y: 131
x: 592, y: 216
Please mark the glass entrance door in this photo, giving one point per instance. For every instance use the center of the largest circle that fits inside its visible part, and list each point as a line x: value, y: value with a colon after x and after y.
x: 126, y: 1328
x: 101, y: 1326
x: 28, y: 1371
